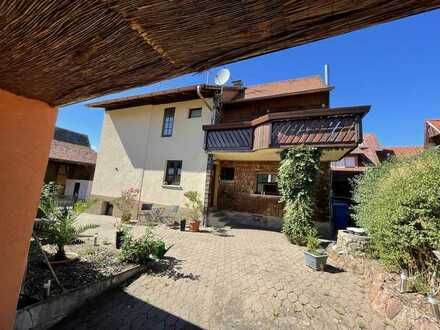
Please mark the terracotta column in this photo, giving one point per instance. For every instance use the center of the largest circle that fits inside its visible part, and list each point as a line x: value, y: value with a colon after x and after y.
x: 26, y: 130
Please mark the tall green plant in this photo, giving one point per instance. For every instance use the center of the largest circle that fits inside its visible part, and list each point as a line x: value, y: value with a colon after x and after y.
x: 60, y: 227
x: 399, y: 205
x: 194, y: 204
x: 297, y: 178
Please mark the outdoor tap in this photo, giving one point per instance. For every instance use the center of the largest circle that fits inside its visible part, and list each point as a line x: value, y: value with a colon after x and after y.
x: 47, y: 286
x: 434, y: 305
x: 403, y: 282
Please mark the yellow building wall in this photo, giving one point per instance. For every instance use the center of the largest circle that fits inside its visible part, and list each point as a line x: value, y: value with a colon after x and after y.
x: 133, y: 152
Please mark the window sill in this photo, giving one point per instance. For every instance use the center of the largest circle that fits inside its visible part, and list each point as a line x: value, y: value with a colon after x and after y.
x: 266, y: 196
x: 172, y: 186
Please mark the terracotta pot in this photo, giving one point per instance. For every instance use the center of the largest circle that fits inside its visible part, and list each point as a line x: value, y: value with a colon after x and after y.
x: 194, y: 225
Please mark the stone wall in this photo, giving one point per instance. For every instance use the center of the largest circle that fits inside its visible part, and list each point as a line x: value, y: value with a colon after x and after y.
x: 405, y: 311
x: 239, y: 194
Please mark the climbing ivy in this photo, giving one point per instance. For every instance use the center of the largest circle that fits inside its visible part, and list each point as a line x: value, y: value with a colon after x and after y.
x: 297, y: 181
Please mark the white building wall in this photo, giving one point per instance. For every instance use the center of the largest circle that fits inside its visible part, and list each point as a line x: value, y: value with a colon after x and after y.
x: 134, y: 154
x: 85, y: 187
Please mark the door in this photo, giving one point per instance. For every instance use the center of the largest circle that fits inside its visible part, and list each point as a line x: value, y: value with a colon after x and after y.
x: 76, y: 191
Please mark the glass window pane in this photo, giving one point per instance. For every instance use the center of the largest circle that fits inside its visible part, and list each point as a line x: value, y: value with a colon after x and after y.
x: 350, y: 162
x: 194, y: 113
x: 168, y: 121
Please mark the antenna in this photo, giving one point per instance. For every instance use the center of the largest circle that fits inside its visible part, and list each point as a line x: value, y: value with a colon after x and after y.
x: 222, y: 77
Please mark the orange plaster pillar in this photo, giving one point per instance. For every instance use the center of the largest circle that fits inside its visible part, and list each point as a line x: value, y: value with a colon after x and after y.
x: 26, y: 131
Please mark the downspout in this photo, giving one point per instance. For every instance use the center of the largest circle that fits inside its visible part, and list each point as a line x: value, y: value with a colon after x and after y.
x: 200, y: 95
x: 208, y: 165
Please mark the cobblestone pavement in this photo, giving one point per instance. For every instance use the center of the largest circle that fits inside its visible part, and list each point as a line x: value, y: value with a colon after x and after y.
x: 233, y: 279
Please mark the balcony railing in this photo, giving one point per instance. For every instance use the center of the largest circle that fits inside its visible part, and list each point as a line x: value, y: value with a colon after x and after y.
x: 339, y: 127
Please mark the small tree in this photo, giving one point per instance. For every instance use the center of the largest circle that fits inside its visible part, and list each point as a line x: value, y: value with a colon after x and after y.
x: 60, y: 226
x: 126, y: 203
x: 194, y: 204
x: 297, y: 178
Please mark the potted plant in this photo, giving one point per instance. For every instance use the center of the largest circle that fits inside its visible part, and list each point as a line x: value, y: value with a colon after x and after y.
x: 60, y: 226
x: 195, y: 206
x: 127, y: 203
x: 314, y: 256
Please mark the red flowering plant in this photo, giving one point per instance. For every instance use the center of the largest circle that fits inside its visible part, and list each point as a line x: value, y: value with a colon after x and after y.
x: 126, y: 203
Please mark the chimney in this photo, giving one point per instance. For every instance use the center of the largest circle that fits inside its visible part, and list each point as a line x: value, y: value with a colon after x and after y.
x: 237, y: 83
x: 326, y: 74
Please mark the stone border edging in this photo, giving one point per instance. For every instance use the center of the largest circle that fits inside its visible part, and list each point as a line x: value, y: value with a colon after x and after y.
x: 47, y: 313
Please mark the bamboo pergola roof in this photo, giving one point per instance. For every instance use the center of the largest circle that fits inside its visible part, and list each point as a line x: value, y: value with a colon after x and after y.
x: 61, y: 51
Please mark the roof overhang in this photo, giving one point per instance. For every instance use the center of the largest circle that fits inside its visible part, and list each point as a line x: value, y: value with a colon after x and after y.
x: 160, y: 97
x: 65, y: 51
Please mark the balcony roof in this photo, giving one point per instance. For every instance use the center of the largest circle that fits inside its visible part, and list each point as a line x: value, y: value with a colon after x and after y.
x: 65, y: 51
x: 360, y: 110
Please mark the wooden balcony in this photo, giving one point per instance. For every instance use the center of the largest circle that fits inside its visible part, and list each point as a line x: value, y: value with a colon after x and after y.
x: 326, y: 128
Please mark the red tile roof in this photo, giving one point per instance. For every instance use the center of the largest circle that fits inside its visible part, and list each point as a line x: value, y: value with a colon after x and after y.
x: 73, y: 153
x: 434, y: 123
x: 369, y: 148
x: 284, y: 88
x: 402, y: 151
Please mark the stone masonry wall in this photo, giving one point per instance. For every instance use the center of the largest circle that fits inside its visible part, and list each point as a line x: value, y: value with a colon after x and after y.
x: 239, y: 194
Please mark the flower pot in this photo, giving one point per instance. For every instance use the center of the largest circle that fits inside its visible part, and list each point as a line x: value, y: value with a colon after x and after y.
x: 194, y: 225
x: 316, y: 262
x: 119, y: 238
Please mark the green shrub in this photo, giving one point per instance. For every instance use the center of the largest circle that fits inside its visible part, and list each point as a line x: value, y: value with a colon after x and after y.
x: 60, y: 223
x: 297, y: 179
x: 399, y: 205
x: 139, y: 250
x: 313, y: 244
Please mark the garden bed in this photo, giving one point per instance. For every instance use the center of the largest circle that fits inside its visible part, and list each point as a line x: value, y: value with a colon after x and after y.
x: 95, y: 263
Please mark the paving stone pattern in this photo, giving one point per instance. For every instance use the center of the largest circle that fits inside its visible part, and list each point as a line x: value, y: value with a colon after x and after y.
x: 233, y: 279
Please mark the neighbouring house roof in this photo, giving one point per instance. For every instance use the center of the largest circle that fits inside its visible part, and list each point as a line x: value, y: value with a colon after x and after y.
x: 72, y: 147
x: 283, y: 88
x: 108, y: 46
x: 65, y: 135
x: 73, y: 153
x: 369, y: 148
x: 160, y: 97
x: 432, y: 128
x: 435, y: 123
x: 407, y: 151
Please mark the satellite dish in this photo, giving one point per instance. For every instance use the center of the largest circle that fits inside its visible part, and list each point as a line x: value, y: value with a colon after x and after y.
x: 222, y: 77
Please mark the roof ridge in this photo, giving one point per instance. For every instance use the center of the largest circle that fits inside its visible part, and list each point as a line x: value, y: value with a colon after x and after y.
x: 69, y: 130
x: 287, y: 80
x: 74, y: 144
x: 406, y: 146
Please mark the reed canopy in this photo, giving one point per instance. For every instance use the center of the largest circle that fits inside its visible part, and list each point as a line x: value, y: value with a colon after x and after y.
x: 62, y: 51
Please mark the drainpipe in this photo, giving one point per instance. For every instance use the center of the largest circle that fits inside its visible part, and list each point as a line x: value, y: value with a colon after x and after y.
x: 199, y: 94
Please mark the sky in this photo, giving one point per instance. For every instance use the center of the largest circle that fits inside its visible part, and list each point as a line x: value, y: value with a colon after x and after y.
x: 393, y: 67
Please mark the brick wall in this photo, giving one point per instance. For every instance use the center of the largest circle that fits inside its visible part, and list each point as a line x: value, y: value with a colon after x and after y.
x: 239, y: 195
